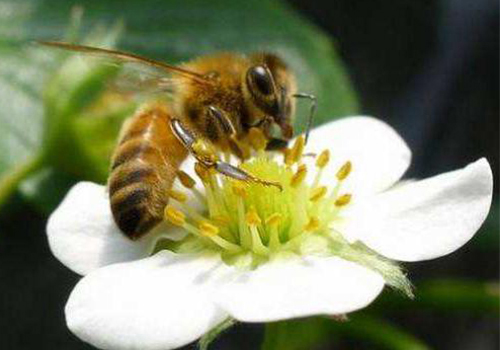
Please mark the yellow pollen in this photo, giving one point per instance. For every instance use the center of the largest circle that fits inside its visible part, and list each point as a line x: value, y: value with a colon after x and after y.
x: 202, y: 171
x: 175, y: 216
x: 239, y: 189
x: 177, y: 195
x: 323, y: 159
x: 299, y: 176
x: 318, y: 193
x: 207, y: 229
x: 312, y: 225
x: 252, y: 217
x: 274, y: 219
x: 344, y: 171
x: 203, y: 149
x: 343, y: 200
x: 297, y: 149
x: 186, y: 180
x: 257, y: 139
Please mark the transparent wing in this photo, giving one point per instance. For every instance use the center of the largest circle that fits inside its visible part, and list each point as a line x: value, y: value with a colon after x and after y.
x: 137, y: 75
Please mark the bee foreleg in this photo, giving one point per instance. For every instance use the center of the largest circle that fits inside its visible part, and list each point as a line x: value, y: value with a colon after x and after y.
x: 210, y: 160
x: 241, y: 175
x: 223, y: 120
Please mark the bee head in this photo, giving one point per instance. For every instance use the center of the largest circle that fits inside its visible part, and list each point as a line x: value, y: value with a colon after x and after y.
x: 270, y: 87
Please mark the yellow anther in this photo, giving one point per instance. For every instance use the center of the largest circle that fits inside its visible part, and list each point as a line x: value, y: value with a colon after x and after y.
x: 221, y: 220
x: 323, y: 159
x: 252, y: 217
x: 318, y: 193
x: 344, y: 171
x: 239, y: 189
x: 343, y: 200
x: 312, y: 225
x: 257, y: 139
x: 287, y: 156
x: 208, y: 229
x: 299, y: 176
x: 186, y: 180
x: 177, y: 195
x: 297, y: 149
x: 202, y: 171
x: 175, y: 216
x: 274, y: 220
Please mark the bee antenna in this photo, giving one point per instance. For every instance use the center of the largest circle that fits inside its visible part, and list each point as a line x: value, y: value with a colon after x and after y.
x: 312, y: 111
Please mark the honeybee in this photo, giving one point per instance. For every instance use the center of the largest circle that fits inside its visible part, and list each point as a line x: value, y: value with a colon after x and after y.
x: 215, y: 99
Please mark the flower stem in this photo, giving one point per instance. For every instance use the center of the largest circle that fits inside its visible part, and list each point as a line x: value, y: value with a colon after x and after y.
x: 9, y: 181
x: 379, y: 332
x: 208, y: 338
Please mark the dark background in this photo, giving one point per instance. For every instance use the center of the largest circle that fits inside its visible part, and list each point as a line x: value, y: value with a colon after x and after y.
x: 429, y: 68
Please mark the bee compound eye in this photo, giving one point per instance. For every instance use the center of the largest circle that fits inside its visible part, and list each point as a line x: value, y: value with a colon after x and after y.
x: 261, y: 79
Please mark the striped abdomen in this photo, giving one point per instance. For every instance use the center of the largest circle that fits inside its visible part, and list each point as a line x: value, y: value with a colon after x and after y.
x: 143, y: 170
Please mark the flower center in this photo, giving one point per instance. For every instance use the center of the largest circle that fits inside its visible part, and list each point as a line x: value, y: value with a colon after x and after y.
x: 262, y: 220
x: 250, y: 223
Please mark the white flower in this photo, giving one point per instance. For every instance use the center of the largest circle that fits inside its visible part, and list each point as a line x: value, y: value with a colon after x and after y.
x: 331, y: 256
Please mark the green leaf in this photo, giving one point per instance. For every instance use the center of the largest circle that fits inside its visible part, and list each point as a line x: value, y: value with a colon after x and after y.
x: 379, y: 332
x: 172, y: 31
x: 297, y: 335
x: 445, y: 295
x: 316, y: 333
x: 45, y: 188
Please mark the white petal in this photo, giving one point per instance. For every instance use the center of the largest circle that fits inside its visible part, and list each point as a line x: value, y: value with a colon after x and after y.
x: 426, y: 219
x: 158, y: 303
x: 379, y: 156
x: 292, y: 288
x: 83, y: 235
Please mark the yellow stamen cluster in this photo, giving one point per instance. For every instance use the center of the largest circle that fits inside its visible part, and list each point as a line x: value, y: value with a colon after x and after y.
x: 248, y: 217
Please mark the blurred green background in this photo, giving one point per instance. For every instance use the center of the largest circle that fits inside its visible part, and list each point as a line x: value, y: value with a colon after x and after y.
x: 429, y: 68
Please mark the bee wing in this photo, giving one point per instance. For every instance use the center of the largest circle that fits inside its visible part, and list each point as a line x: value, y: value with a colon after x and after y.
x: 137, y: 74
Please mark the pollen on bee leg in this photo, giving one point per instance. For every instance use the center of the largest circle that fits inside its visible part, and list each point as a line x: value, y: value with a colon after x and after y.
x: 203, y: 172
x: 299, y: 176
x: 204, y: 149
x: 343, y: 200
